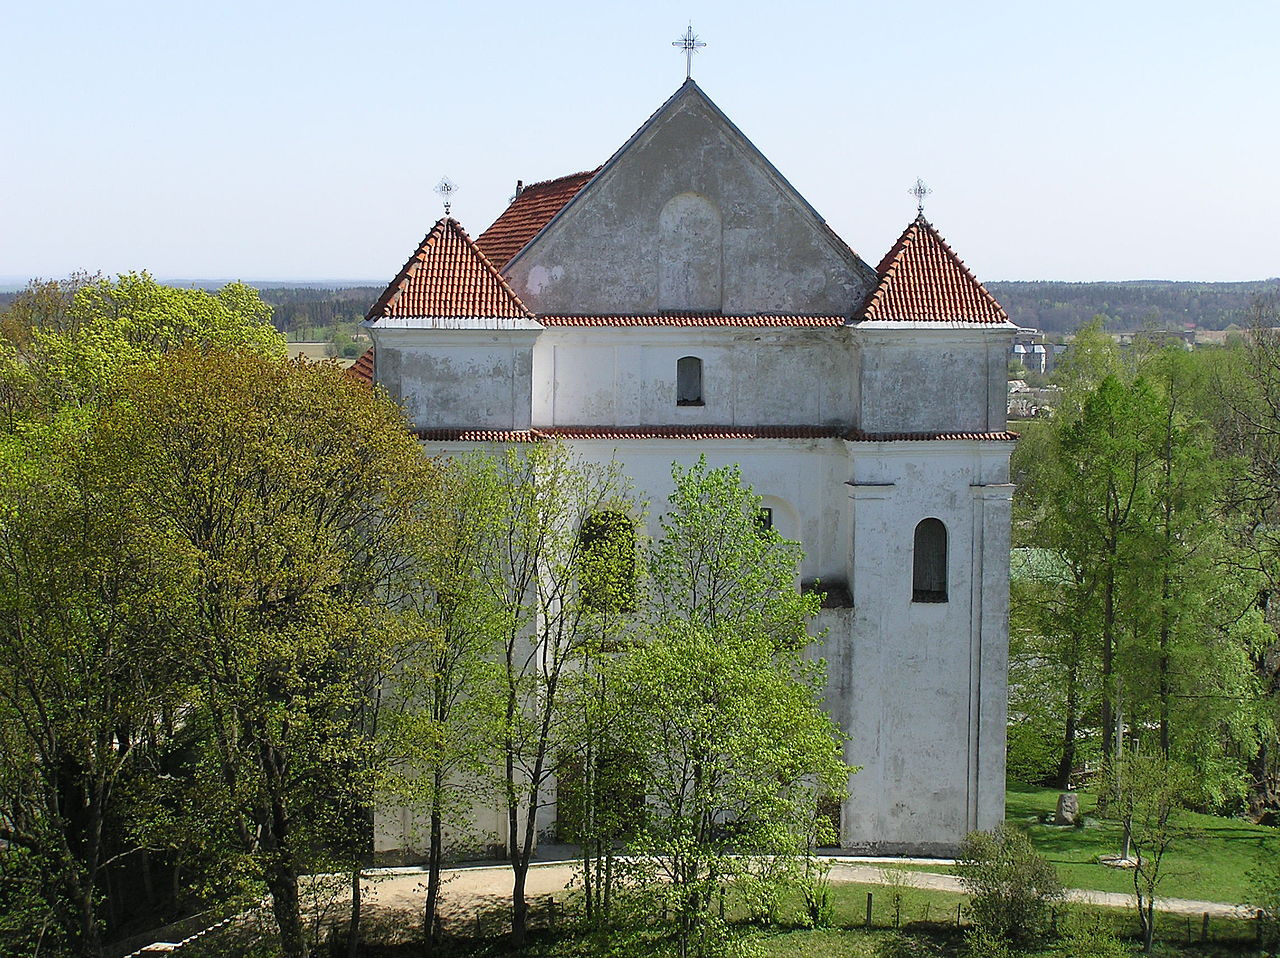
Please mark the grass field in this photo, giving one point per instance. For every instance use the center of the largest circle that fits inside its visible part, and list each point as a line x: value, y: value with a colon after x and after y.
x: 1213, y: 862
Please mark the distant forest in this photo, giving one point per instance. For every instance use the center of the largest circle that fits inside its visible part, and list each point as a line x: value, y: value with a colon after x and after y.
x: 319, y: 314
x: 307, y: 314
x: 1065, y: 307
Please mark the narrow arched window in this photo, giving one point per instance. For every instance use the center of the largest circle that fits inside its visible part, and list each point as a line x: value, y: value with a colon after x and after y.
x: 929, y: 562
x: 689, y: 381
x: 607, y: 573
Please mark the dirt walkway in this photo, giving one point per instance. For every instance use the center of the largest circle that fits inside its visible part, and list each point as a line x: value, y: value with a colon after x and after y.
x: 403, y: 888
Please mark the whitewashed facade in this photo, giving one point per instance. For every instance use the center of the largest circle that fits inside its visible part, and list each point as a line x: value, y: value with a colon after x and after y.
x: 859, y: 402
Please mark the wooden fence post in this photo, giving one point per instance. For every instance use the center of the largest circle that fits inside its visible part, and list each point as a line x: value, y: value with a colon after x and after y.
x: 1204, y: 928
x: 868, y: 909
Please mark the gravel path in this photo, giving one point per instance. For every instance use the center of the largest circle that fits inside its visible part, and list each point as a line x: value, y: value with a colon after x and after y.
x: 404, y: 888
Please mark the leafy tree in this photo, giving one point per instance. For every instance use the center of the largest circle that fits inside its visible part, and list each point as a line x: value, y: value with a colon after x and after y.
x: 530, y: 572
x: 1148, y: 795
x: 714, y: 565
x: 89, y: 603
x: 445, y: 719
x: 721, y: 709
x: 1249, y: 428
x: 66, y: 344
x: 286, y: 487
x: 1125, y: 592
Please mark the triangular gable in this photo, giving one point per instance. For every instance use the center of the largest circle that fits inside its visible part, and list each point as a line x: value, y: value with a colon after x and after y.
x: 448, y: 277
x: 834, y: 259
x: 532, y: 209
x: 691, y: 88
x: 923, y: 280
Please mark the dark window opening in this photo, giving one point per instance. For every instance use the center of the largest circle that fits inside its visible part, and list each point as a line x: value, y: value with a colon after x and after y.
x: 929, y: 562
x: 764, y: 519
x: 607, y: 573
x: 689, y: 381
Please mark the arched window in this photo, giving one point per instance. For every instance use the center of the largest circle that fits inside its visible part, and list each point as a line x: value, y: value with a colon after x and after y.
x: 607, y: 573
x: 689, y: 381
x: 929, y: 562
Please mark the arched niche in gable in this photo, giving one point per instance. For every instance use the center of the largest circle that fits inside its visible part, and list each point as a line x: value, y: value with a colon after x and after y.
x: 690, y: 254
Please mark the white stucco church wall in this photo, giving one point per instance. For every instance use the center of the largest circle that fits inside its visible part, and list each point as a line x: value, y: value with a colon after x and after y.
x: 684, y: 300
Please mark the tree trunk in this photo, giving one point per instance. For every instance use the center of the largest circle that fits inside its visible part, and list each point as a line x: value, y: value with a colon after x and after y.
x: 282, y: 883
x: 1068, y: 760
x: 90, y: 935
x: 519, y: 906
x: 435, y: 855
x: 353, y: 929
x: 1164, y: 673
x: 1108, y: 655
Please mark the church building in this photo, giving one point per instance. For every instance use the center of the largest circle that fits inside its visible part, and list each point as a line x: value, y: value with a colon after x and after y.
x: 684, y: 300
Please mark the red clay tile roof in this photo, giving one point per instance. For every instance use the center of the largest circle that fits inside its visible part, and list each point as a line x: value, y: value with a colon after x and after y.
x: 630, y: 432
x: 857, y: 435
x: 362, y: 368
x: 697, y: 433
x: 478, y: 435
x: 921, y: 279
x: 448, y: 276
x: 528, y: 214
x: 693, y: 432
x: 691, y: 319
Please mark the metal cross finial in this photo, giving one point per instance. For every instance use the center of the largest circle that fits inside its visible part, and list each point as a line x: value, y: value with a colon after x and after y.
x: 920, y: 191
x: 690, y: 44
x: 446, y: 188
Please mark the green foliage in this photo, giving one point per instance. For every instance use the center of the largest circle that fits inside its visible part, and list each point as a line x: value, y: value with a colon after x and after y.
x: 1013, y: 888
x: 1133, y: 608
x: 68, y: 345
x: 284, y: 488
x: 1085, y: 936
x: 723, y: 714
x: 713, y: 562
x: 90, y: 606
x: 981, y: 942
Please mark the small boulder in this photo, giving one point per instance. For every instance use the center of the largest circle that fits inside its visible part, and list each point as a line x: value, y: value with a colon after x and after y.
x: 1068, y: 809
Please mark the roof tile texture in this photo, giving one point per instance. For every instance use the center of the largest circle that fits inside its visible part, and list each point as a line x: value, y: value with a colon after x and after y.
x: 528, y: 213
x: 697, y: 433
x: 691, y: 319
x: 448, y: 276
x: 921, y: 279
x: 362, y: 368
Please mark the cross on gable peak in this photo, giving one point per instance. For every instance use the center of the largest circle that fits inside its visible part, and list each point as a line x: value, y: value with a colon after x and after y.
x: 689, y: 44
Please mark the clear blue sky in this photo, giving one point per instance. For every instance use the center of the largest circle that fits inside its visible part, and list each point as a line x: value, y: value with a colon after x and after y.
x: 288, y: 140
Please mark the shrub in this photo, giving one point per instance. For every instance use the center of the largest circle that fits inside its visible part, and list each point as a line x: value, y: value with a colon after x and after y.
x: 1012, y: 887
x: 980, y: 943
x: 1091, y: 937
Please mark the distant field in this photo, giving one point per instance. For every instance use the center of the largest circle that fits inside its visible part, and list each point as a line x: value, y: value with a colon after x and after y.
x: 316, y: 352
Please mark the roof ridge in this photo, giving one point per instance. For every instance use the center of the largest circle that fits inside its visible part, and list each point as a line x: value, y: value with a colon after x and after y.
x: 556, y: 179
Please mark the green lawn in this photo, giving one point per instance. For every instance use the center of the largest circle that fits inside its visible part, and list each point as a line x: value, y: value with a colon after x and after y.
x: 1213, y: 863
